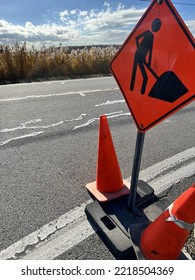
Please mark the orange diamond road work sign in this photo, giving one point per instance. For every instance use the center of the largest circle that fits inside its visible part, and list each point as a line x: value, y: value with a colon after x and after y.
x: 155, y: 66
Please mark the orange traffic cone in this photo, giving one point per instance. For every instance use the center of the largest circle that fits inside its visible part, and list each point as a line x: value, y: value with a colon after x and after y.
x: 164, y: 238
x: 109, y: 183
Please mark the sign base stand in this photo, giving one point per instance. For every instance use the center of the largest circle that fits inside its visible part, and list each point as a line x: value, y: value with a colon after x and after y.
x: 113, y: 218
x: 112, y: 221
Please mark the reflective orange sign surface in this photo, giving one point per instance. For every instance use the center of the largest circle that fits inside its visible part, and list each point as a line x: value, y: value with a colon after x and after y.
x: 155, y: 67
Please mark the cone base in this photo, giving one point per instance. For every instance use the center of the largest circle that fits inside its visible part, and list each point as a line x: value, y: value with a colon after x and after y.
x: 107, y: 196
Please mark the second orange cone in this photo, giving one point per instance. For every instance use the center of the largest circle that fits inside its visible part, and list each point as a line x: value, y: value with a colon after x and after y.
x: 164, y: 238
x: 109, y: 183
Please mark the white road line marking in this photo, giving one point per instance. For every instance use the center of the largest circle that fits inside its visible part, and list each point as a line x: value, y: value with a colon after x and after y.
x: 64, y: 221
x: 109, y: 116
x: 24, y: 125
x: 71, y: 228
x: 70, y: 238
x: 81, y: 93
x: 33, y: 134
x: 118, y: 115
x: 88, y: 79
x: 157, y: 169
x: 166, y: 181
x: 56, y: 81
x: 20, y: 127
x: 107, y: 103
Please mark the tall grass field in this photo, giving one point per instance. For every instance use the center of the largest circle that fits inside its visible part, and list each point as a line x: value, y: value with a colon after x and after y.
x: 21, y: 64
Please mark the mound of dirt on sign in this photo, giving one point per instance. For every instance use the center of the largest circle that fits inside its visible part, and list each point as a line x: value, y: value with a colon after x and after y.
x: 190, y: 244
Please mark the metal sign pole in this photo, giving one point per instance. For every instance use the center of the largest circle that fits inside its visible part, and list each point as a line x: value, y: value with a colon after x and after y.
x: 135, y: 172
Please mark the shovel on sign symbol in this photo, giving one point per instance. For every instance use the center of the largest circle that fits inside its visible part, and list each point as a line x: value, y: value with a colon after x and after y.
x: 168, y: 87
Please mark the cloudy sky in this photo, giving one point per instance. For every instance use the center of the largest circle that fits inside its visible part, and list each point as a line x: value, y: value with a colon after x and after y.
x: 76, y: 22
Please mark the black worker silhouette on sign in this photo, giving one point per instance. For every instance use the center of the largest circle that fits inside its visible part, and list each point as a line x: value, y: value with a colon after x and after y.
x: 144, y: 44
x: 168, y: 87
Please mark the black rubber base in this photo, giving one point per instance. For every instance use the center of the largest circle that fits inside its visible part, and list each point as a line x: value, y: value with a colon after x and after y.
x: 112, y: 219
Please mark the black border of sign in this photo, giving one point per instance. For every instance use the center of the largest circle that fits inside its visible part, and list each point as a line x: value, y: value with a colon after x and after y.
x: 190, y: 38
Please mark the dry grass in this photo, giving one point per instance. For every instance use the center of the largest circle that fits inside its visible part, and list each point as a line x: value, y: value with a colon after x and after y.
x: 17, y: 63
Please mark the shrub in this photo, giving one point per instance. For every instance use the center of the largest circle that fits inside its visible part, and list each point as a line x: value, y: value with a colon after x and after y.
x: 18, y: 63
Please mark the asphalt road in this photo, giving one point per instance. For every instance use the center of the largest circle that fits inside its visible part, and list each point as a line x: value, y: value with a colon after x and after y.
x: 48, y: 145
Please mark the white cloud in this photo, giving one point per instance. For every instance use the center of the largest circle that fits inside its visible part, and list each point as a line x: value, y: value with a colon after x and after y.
x: 95, y: 23
x: 63, y: 15
x: 36, y: 35
x: 120, y: 6
x: 93, y: 13
x: 191, y: 25
x: 106, y: 4
x: 113, y: 20
x: 29, y: 25
x: 83, y: 13
x: 73, y: 12
x: 79, y: 27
